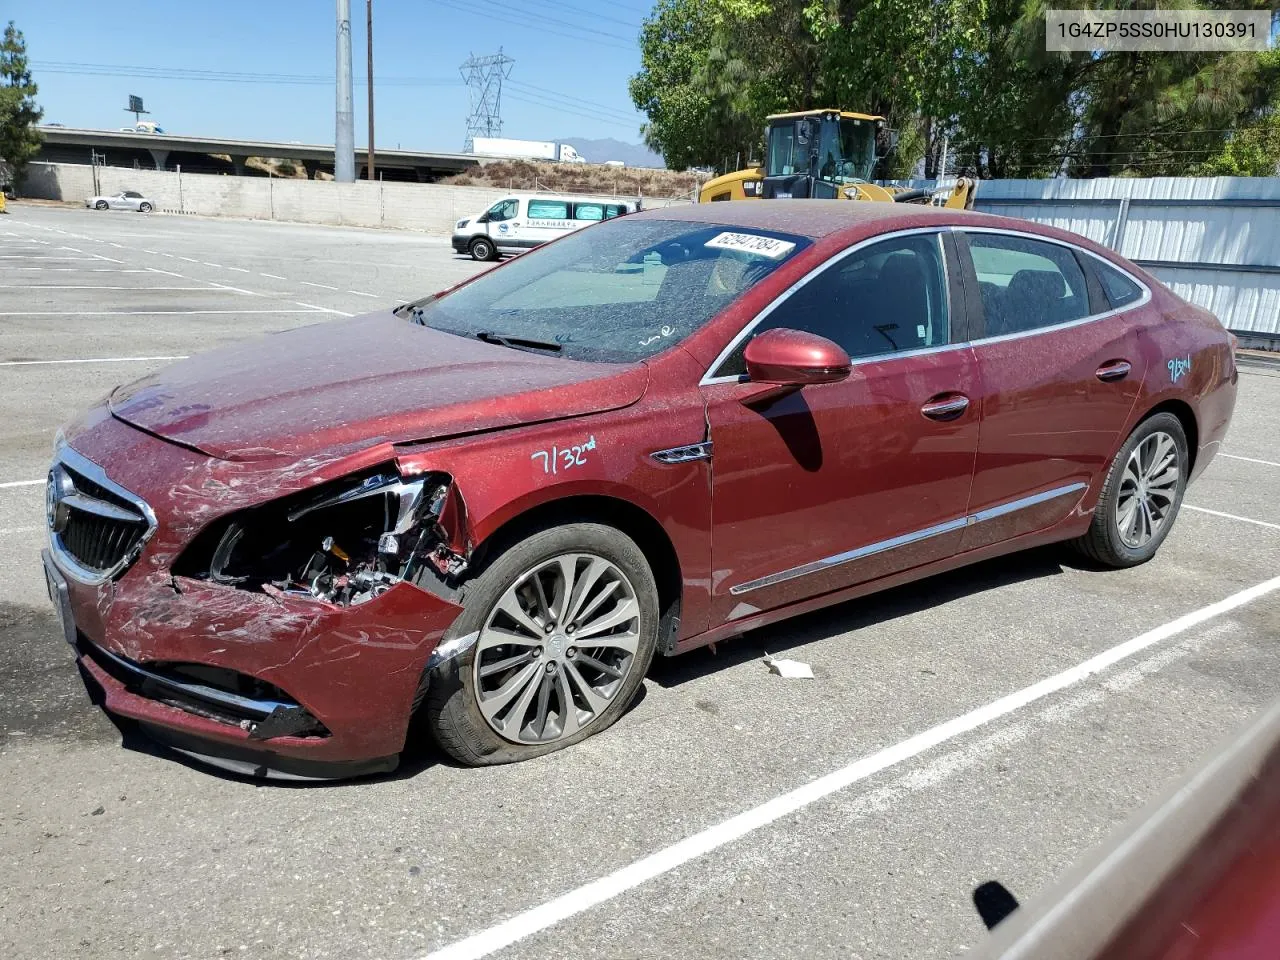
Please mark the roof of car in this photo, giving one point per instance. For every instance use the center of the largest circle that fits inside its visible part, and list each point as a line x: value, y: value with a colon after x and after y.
x: 811, y: 218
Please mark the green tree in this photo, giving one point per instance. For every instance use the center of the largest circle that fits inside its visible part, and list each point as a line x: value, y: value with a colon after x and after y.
x: 19, y: 138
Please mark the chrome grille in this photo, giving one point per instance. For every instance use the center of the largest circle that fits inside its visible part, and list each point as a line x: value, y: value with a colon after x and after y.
x: 96, y: 527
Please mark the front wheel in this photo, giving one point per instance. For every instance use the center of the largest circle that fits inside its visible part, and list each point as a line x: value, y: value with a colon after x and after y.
x: 144, y: 208
x: 483, y: 249
x: 566, y: 624
x: 100, y: 205
x: 1141, y: 495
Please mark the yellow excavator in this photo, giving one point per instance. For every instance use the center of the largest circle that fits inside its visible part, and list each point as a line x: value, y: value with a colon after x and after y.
x: 824, y: 154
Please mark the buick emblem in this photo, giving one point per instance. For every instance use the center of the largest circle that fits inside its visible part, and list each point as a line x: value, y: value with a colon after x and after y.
x: 56, y: 492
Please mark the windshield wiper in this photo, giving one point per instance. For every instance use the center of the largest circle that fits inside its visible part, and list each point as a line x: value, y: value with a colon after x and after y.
x: 509, y: 340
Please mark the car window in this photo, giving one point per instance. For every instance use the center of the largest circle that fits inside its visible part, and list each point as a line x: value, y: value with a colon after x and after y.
x: 131, y: 195
x: 614, y: 210
x: 621, y: 290
x: 588, y: 211
x: 1026, y: 284
x: 548, y: 210
x: 883, y: 298
x: 1120, y: 289
x: 503, y: 210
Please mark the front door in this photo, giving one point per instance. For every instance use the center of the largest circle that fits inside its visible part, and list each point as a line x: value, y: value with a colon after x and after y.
x: 1061, y: 374
x: 841, y: 483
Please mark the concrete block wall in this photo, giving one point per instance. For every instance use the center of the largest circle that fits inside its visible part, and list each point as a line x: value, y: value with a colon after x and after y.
x: 428, y: 207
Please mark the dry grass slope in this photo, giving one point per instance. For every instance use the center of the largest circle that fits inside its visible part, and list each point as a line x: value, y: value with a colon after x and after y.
x: 578, y: 178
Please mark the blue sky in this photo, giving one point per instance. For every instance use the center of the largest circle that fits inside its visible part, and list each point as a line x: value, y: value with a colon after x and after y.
x: 572, y: 62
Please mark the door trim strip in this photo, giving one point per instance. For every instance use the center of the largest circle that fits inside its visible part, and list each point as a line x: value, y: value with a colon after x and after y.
x: 950, y: 526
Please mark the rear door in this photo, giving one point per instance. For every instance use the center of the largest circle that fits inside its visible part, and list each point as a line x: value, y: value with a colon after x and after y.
x: 546, y: 219
x: 1060, y: 370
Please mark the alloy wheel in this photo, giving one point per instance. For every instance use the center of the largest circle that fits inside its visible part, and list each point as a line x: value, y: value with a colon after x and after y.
x: 556, y: 648
x: 1148, y: 490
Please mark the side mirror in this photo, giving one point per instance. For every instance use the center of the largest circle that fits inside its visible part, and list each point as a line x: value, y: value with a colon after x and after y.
x: 483, y: 218
x: 795, y: 358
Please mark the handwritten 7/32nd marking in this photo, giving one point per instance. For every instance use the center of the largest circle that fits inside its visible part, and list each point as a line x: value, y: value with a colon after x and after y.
x: 564, y: 458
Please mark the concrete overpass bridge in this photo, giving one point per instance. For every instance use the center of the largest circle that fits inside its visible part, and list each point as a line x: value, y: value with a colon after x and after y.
x: 164, y: 151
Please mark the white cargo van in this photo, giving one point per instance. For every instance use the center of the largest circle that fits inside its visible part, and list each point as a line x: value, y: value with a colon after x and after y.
x: 524, y: 220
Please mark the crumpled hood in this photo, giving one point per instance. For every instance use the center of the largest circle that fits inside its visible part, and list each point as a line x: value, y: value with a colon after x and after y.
x: 359, y: 382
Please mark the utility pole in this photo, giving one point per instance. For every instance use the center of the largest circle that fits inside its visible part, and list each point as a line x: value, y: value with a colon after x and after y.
x: 369, y: 22
x: 344, y: 142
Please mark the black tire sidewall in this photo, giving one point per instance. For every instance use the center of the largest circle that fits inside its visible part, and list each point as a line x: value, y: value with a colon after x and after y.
x: 1121, y: 554
x: 481, y: 250
x: 452, y: 712
x: 100, y: 205
x: 144, y: 208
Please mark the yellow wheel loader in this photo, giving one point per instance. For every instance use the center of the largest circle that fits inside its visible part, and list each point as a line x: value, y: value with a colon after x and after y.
x: 823, y: 154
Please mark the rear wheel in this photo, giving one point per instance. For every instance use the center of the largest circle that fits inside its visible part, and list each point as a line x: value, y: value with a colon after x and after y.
x: 144, y: 208
x: 482, y: 248
x: 1141, y: 495
x: 100, y: 205
x: 566, y: 624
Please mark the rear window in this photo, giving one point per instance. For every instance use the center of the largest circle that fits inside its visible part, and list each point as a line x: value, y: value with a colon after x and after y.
x: 619, y: 291
x: 548, y: 210
x: 1120, y: 290
x: 588, y: 211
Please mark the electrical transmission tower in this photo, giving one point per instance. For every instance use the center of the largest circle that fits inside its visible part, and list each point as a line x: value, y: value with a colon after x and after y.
x: 484, y: 76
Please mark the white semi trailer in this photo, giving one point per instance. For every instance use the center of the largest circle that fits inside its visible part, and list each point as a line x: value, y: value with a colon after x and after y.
x: 525, y: 149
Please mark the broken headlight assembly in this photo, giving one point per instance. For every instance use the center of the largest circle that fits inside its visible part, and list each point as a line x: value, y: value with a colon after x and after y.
x: 344, y: 543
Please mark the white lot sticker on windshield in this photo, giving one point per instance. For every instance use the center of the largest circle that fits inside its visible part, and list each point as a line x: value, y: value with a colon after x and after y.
x: 752, y: 243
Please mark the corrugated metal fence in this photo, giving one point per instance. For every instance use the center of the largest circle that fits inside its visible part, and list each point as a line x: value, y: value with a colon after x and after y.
x: 1213, y: 240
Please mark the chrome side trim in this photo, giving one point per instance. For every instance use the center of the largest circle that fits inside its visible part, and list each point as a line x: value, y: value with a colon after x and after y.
x: 87, y: 468
x: 708, y: 379
x: 906, y: 539
x: 1034, y: 500
x: 685, y: 454
x: 850, y: 555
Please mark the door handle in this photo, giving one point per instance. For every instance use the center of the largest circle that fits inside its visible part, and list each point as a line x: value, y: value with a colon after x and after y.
x: 1113, y: 370
x: 947, y: 406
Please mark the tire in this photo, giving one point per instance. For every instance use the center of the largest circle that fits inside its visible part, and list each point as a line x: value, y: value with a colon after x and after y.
x: 452, y: 707
x: 482, y: 248
x: 144, y: 208
x: 1116, y: 536
x: 100, y: 205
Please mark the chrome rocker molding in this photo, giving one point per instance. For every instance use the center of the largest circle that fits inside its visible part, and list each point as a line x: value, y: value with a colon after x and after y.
x: 692, y: 451
x: 950, y: 526
x: 64, y: 455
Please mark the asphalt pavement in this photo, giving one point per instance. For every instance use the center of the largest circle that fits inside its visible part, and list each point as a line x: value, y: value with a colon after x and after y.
x: 730, y: 814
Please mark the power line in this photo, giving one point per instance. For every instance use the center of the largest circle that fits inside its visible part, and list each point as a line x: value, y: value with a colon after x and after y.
x: 469, y: 8
x: 568, y: 110
x: 544, y: 18
x: 222, y: 76
x: 634, y: 24
x: 567, y: 101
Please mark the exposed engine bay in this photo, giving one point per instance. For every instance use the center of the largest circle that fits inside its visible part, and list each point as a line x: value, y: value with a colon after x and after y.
x: 344, y: 544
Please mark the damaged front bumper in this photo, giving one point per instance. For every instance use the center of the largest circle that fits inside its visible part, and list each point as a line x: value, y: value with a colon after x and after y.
x: 255, y: 683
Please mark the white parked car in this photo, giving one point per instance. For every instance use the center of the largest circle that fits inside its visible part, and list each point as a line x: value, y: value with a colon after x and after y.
x: 525, y: 220
x: 124, y: 200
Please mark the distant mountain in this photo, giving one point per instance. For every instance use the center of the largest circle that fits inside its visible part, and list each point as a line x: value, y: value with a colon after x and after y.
x: 598, y: 151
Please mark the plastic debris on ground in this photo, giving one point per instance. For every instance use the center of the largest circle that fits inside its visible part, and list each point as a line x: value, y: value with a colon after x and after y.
x: 789, y: 669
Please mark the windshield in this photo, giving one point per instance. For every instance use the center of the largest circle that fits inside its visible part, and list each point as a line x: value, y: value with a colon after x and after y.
x: 847, y: 150
x: 618, y: 291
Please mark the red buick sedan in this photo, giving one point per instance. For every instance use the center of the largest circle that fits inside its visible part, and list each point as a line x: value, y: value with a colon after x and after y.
x: 494, y: 507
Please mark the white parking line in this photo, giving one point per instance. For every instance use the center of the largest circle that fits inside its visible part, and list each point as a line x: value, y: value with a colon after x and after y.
x: 208, y: 264
x: 357, y: 293
x: 23, y: 256
x: 239, y: 269
x: 341, y: 313
x: 167, y: 273
x: 1232, y: 456
x: 37, y: 363
x: 592, y: 894
x: 83, y: 270
x: 189, y: 259
x: 322, y: 286
x: 19, y: 483
x: 80, y: 286
x: 98, y: 256
x: 156, y: 313
x: 1231, y: 516
x: 271, y: 276
x: 4, y: 531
